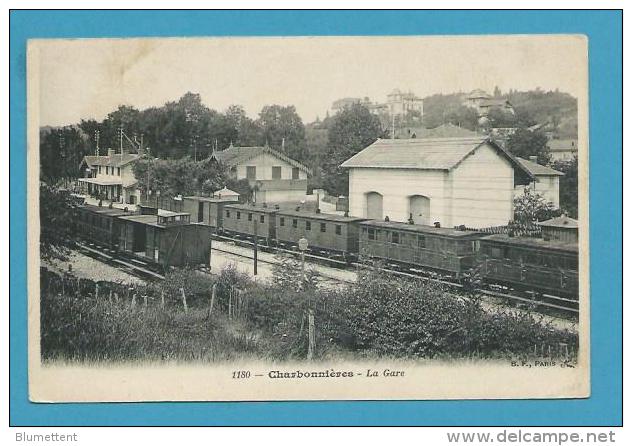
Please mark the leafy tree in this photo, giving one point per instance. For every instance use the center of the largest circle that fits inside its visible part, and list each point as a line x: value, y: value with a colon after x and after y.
x: 56, y: 222
x: 531, y: 207
x: 249, y: 133
x: 283, y: 130
x: 568, y: 186
x: 61, y: 152
x: 525, y: 143
x: 350, y: 131
x: 463, y: 116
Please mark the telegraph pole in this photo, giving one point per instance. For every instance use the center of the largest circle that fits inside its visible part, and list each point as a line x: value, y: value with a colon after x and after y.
x: 255, y: 247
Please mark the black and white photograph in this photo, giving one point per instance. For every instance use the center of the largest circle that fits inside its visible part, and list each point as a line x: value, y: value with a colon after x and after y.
x: 308, y: 218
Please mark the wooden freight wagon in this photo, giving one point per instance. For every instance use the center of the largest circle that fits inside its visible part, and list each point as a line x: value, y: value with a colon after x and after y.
x: 207, y: 210
x: 329, y: 234
x: 446, y: 251
x: 527, y: 263
x: 167, y: 239
x: 245, y: 219
x: 99, y: 224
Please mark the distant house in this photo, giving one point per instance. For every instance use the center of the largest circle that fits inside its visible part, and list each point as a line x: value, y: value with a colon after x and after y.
x: 563, y: 149
x: 450, y: 181
x: 401, y: 104
x: 110, y: 177
x: 274, y: 176
x: 484, y: 102
x: 448, y: 130
x: 546, y: 181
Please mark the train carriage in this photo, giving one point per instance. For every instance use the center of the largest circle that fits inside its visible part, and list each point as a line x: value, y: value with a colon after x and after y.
x: 531, y: 264
x: 99, y: 224
x: 245, y: 219
x: 328, y: 234
x: 446, y: 251
x: 207, y: 210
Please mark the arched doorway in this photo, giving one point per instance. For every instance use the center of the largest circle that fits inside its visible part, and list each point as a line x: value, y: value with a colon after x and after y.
x: 419, y: 207
x: 374, y: 206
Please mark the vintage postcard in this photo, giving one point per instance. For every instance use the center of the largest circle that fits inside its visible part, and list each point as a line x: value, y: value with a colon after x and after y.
x: 308, y: 218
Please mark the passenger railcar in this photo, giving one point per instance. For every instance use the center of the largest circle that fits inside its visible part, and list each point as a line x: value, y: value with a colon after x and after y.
x: 530, y: 264
x: 445, y: 251
x: 329, y: 234
x: 99, y: 224
x: 207, y: 210
x: 248, y: 220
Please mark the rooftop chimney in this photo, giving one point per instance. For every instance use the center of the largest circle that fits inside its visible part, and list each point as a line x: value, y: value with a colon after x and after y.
x: 533, y: 158
x: 110, y: 152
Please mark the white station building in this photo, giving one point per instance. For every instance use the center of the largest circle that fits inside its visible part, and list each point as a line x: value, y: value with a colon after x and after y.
x: 450, y: 181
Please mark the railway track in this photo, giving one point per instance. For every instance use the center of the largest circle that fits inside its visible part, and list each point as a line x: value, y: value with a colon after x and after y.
x: 555, y: 303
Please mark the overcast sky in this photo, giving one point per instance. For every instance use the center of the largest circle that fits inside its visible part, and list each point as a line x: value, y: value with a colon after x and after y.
x: 89, y: 78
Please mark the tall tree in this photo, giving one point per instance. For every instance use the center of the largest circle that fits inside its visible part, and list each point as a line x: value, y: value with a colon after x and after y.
x: 56, y: 222
x: 525, y: 143
x: 568, y: 186
x: 283, y: 130
x: 350, y: 131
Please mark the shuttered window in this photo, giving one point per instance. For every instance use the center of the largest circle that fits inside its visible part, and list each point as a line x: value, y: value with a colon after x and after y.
x: 295, y: 173
x: 276, y: 172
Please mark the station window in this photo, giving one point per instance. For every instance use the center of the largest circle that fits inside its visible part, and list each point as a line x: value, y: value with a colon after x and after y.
x: 276, y: 172
x: 323, y: 227
x: 308, y: 225
x: 249, y: 217
x: 371, y: 234
x: 238, y: 215
x: 421, y: 241
x: 294, y: 223
x: 395, y: 237
x: 107, y: 170
x: 251, y: 172
x: 118, y: 171
x: 295, y: 173
x: 227, y: 213
x: 262, y: 219
x: 281, y: 221
x: 339, y: 229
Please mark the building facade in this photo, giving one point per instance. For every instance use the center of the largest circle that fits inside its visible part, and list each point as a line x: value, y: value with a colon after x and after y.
x: 435, y: 181
x: 274, y: 176
x: 483, y: 102
x: 546, y: 181
x: 110, y: 177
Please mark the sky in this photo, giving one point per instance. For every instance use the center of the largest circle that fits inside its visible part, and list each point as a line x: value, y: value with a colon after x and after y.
x: 88, y: 78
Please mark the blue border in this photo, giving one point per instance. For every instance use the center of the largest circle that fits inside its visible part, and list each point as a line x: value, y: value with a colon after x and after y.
x: 604, y: 30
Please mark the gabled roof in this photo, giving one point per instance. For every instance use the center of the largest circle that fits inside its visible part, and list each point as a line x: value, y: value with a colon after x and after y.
x: 562, y: 145
x: 116, y: 160
x: 425, y: 153
x: 538, y: 169
x: 234, y: 156
x: 448, y: 130
x: 560, y: 222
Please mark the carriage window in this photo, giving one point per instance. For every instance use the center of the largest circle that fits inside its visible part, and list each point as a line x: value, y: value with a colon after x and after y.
x: 295, y: 173
x: 308, y: 225
x: 506, y: 253
x: 371, y: 234
x: 276, y: 172
x: 262, y: 219
x: 238, y: 215
x: 572, y: 263
x: 294, y: 223
x: 395, y: 237
x: 323, y: 227
x: 227, y: 213
x: 249, y: 217
x: 339, y: 229
x: 282, y: 221
x: 421, y: 241
x: 496, y: 252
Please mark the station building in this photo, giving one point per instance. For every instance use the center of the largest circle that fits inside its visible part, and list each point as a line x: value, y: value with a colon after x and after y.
x: 436, y: 181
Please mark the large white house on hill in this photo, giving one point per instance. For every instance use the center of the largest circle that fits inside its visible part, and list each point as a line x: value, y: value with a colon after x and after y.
x: 450, y: 181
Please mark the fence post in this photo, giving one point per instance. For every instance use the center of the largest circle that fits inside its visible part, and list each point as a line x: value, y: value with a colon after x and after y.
x: 184, y: 301
x: 133, y: 300
x: 96, y: 290
x: 230, y: 303
x: 162, y: 299
x: 213, y: 293
x: 145, y: 300
x: 311, y: 335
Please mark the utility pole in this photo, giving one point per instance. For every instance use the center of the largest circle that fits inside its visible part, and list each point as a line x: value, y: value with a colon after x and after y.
x: 255, y: 247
